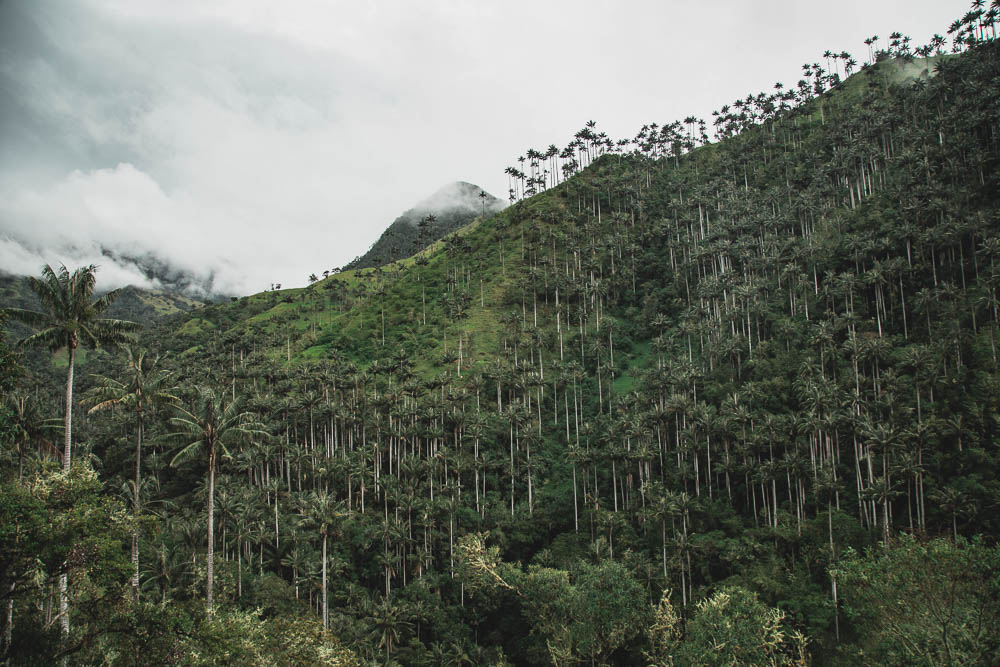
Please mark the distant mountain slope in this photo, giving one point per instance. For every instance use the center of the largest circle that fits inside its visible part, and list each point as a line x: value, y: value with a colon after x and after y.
x: 134, y: 304
x: 453, y: 206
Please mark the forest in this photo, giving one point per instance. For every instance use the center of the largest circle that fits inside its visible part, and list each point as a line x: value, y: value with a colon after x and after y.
x: 687, y: 400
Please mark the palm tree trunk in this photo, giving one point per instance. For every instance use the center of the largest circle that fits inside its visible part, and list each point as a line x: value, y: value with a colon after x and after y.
x: 68, y: 424
x: 326, y: 609
x: 136, y: 508
x: 211, y: 527
x: 576, y: 510
x: 67, y: 462
x: 8, y: 629
x: 63, y: 607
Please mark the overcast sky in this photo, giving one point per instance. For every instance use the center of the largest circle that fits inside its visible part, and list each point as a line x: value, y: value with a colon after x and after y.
x: 254, y: 142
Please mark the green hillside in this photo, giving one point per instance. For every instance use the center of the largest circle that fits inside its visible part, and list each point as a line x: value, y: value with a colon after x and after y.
x: 144, y: 306
x: 683, y: 402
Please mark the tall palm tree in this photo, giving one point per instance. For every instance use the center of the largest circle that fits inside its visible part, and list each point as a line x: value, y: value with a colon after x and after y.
x: 144, y: 387
x: 320, y: 510
x: 214, y: 423
x: 30, y: 427
x: 71, y: 318
x: 169, y: 567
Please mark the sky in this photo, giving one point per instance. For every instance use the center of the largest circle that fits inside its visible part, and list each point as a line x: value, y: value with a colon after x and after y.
x: 243, y: 143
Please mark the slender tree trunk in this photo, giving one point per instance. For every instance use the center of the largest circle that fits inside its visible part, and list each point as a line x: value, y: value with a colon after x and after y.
x: 211, y: 527
x: 137, y: 509
x: 576, y: 511
x: 8, y: 629
x: 326, y: 609
x: 67, y: 463
x: 68, y: 423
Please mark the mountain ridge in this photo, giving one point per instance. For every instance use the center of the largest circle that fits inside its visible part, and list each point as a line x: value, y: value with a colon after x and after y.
x: 743, y: 306
x: 452, y: 206
x: 136, y: 304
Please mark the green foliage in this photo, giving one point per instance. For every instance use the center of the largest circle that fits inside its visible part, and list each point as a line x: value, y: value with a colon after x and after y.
x: 240, y: 637
x: 58, y: 523
x: 732, y: 627
x: 586, y: 614
x: 608, y: 609
x: 61, y: 522
x: 712, y: 368
x: 10, y: 372
x: 929, y: 602
x: 183, y: 634
x: 70, y: 315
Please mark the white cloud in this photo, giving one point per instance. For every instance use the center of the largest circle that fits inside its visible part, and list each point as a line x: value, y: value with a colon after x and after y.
x: 256, y: 142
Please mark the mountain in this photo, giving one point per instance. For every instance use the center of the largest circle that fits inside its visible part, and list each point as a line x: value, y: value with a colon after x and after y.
x: 144, y: 306
x: 682, y: 358
x: 692, y: 402
x: 453, y: 206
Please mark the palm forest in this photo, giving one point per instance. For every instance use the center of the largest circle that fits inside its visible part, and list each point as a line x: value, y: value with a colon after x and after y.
x: 726, y: 392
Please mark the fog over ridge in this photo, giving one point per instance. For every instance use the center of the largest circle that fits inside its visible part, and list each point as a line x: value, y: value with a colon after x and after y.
x: 460, y: 195
x: 237, y: 143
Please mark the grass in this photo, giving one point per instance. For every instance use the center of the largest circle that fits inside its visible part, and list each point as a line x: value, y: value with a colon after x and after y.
x: 196, y: 326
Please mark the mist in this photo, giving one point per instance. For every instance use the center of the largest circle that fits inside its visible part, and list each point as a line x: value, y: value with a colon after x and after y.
x: 225, y: 146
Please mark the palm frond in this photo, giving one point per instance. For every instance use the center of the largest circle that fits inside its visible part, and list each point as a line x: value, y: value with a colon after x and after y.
x: 186, y: 452
x: 29, y: 317
x: 52, y: 337
x: 102, y: 303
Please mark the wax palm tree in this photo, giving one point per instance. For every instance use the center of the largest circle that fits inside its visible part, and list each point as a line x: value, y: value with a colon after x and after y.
x: 144, y: 387
x: 388, y: 623
x: 71, y: 318
x: 30, y: 427
x: 168, y: 568
x: 295, y: 559
x: 320, y: 510
x: 954, y: 503
x: 214, y: 423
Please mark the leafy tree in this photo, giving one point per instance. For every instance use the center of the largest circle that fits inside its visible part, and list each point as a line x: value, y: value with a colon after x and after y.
x: 608, y: 609
x: 926, y: 603
x: 732, y: 627
x: 587, y: 614
x: 70, y: 318
x: 55, y: 526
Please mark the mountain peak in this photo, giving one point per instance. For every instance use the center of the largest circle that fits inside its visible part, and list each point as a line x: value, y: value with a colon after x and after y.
x: 461, y: 195
x: 453, y: 205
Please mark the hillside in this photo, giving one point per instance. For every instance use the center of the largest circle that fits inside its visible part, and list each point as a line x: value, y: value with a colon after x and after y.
x: 143, y: 306
x: 449, y: 208
x: 685, y: 402
x: 732, y: 325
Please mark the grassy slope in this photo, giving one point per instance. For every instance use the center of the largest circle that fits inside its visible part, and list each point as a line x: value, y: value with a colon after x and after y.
x: 345, y: 311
